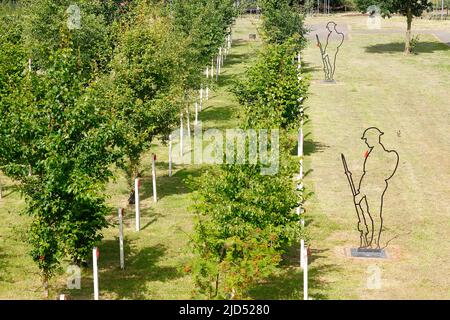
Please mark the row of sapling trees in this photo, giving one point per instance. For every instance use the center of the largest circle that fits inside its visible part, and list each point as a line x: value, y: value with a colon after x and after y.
x: 76, y: 102
x: 245, y: 220
x: 160, y: 67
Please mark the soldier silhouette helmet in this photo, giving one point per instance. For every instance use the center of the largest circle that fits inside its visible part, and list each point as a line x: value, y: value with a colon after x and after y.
x: 331, y: 25
x: 372, y: 136
x: 379, y: 167
x: 372, y: 132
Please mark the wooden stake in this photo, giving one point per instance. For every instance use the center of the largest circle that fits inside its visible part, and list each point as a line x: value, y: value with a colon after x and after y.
x: 201, y: 97
x: 181, y: 135
x: 121, y: 254
x: 137, y: 183
x: 302, y: 253
x: 155, y: 197
x: 170, y: 155
x: 95, y: 255
x: 188, y: 120
x: 196, y: 113
x: 305, y: 275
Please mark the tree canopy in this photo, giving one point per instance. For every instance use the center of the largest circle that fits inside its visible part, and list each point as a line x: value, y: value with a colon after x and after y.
x: 407, y: 8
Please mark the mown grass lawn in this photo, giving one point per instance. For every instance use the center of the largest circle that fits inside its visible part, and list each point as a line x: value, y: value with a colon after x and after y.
x: 408, y: 98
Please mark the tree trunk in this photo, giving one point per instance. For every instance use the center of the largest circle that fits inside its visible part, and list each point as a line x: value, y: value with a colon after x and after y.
x: 45, y: 285
x: 409, y: 18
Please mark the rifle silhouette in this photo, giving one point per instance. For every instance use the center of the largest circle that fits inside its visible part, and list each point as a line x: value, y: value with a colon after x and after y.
x: 363, y: 233
x: 325, y: 66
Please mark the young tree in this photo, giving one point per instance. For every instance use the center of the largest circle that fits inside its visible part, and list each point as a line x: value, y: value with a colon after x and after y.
x: 59, y: 147
x: 145, y: 87
x: 271, y: 91
x: 205, y: 23
x: 407, y: 8
x: 282, y: 21
x: 245, y: 219
x: 94, y: 31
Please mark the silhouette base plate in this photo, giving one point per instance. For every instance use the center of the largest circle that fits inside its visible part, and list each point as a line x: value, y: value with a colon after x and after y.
x: 368, y: 253
x: 329, y: 81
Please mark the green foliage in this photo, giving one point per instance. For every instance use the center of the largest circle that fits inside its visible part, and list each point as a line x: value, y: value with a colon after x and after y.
x: 51, y: 128
x: 45, y: 26
x: 246, y: 219
x: 282, y: 22
x: 408, y: 8
x: 145, y: 88
x: 205, y: 23
x: 12, y: 61
x: 389, y: 7
x: 271, y: 90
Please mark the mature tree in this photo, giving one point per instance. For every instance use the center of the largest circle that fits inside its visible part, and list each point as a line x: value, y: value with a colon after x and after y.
x: 407, y: 8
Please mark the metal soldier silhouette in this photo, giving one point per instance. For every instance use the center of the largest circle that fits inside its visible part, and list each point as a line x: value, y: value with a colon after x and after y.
x: 329, y: 61
x: 380, y: 165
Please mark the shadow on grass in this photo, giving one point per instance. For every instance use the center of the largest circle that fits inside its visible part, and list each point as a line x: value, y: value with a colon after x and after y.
x: 310, y: 147
x: 288, y: 285
x: 168, y: 186
x: 217, y: 114
x: 236, y: 58
x: 177, y: 183
x: 228, y: 79
x: 310, y: 68
x: 396, y: 47
x: 141, y: 268
x: 9, y: 190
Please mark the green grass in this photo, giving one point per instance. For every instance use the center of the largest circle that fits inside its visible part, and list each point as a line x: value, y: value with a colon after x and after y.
x: 408, y: 98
